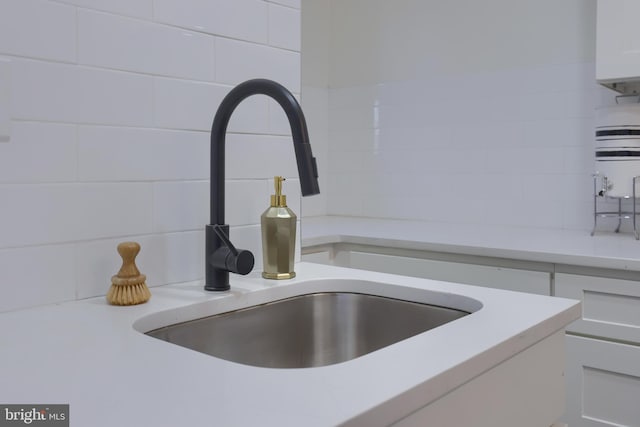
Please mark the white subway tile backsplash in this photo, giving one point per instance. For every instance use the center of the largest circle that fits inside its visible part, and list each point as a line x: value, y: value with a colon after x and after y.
x: 578, y: 215
x: 110, y: 110
x: 237, y: 61
x: 38, y: 29
x: 426, y: 137
x: 543, y: 160
x: 390, y: 205
x: 37, y: 275
x: 579, y: 160
x: 246, y: 156
x: 340, y: 204
x: 185, y: 104
x: 248, y: 237
x: 360, y: 96
x: 358, y: 139
x: 66, y: 93
x: 42, y: 214
x: 98, y: 261
x: 247, y: 200
x: 37, y: 214
x: 251, y: 116
x: 39, y: 153
x: 179, y: 257
x: 558, y: 133
x: 163, y: 258
x: 237, y: 19
x: 544, y: 188
x: 578, y: 188
x: 544, y: 105
x: 490, y: 134
x: 347, y: 161
x: 581, y: 103
x: 122, y: 43
x: 278, y: 122
x: 284, y: 27
x: 465, y: 149
x: 525, y: 213
x: 175, y: 257
x: 347, y: 184
x: 180, y: 206
x: 137, y: 8
x: 107, y: 153
x: 351, y: 119
x: 112, y: 209
x: 499, y: 186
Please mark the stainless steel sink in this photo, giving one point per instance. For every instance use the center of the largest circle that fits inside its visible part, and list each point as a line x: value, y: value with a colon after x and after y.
x: 308, y: 330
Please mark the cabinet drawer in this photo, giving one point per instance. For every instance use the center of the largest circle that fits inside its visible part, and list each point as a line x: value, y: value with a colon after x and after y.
x: 610, y: 307
x: 535, y: 282
x: 603, y: 383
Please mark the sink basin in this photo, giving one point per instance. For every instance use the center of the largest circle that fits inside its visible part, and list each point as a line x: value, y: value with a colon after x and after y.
x: 310, y: 330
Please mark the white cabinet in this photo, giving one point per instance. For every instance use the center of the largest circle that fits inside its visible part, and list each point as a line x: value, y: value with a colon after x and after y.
x: 603, y: 347
x: 618, y: 41
x: 603, y: 365
x: 610, y: 307
x: 535, y: 282
x: 603, y: 383
x: 524, y: 391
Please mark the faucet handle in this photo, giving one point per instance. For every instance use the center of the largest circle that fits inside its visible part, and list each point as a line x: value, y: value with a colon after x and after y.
x: 228, y: 257
x: 241, y: 263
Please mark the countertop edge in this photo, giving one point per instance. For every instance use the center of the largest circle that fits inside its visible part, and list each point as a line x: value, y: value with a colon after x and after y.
x: 563, y: 247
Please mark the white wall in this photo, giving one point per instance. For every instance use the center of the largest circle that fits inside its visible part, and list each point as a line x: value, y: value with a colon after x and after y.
x: 463, y: 111
x: 111, y: 107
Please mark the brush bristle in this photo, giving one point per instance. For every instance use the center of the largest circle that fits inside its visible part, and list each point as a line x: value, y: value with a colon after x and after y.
x: 132, y: 294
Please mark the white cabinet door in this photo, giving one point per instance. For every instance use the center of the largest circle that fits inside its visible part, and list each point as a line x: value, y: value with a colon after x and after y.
x: 603, y: 383
x: 610, y: 307
x: 617, y: 40
x: 535, y: 282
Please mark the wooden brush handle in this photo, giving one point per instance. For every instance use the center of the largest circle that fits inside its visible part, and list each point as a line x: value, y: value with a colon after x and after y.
x: 128, y: 251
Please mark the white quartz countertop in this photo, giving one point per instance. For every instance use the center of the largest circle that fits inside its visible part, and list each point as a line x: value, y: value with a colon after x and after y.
x: 94, y: 357
x: 573, y: 247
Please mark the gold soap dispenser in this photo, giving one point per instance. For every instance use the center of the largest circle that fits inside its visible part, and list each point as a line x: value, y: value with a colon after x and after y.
x: 278, y: 236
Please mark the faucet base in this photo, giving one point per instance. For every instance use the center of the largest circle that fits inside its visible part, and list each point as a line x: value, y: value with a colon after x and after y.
x: 222, y: 257
x: 215, y: 279
x: 216, y: 288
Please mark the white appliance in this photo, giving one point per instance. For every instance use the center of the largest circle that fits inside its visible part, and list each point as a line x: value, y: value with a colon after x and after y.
x: 617, y: 149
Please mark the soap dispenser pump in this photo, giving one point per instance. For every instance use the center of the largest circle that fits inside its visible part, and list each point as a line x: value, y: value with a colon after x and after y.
x: 278, y: 236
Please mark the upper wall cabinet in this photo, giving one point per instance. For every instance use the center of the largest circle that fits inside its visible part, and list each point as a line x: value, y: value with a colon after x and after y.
x: 618, y: 45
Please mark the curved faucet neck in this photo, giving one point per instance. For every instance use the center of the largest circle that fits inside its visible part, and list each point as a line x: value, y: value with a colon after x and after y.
x: 307, y: 168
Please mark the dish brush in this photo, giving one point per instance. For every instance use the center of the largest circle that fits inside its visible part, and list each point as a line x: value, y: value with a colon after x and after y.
x: 128, y: 287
